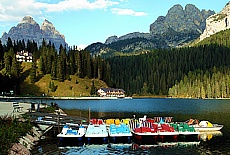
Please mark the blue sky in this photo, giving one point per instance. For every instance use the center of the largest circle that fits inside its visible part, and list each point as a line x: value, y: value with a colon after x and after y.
x: 88, y: 21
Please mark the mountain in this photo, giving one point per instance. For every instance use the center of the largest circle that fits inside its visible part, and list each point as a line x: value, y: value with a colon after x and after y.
x: 179, y: 27
x: 217, y: 22
x: 181, y: 20
x: 28, y: 29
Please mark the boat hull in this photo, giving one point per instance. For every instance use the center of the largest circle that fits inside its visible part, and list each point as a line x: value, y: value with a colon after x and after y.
x: 214, y: 128
x: 120, y: 139
x: 145, y: 138
x: 70, y: 140
x: 96, y: 140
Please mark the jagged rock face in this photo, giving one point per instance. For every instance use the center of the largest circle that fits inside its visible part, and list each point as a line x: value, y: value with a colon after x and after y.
x: 217, y: 22
x: 180, y: 20
x: 28, y: 29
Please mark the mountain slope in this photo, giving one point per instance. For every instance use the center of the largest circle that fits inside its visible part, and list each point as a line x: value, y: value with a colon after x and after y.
x: 75, y: 86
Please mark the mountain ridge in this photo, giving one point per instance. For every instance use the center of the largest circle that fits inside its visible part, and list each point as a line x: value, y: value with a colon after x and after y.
x: 179, y: 27
x: 28, y: 29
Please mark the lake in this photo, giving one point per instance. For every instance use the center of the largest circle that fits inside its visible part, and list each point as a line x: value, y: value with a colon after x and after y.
x: 216, y: 111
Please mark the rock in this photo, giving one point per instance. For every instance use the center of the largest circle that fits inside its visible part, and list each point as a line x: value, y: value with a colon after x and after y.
x: 28, y: 29
x: 18, y: 149
x: 217, y: 22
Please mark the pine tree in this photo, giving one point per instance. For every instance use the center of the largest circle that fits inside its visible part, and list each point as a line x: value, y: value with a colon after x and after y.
x: 78, y: 63
x: 203, y: 94
x: 60, y: 72
x: 61, y: 65
x: 42, y: 65
x: 93, y: 89
x: 1, y: 55
x: 99, y: 70
x: 33, y: 72
x: 88, y: 65
x: 15, y: 69
x: 209, y: 91
x: 7, y: 62
x: 9, y: 44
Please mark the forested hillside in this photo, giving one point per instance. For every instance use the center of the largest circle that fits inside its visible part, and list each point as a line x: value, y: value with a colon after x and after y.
x: 201, y: 71
x: 47, y: 60
x: 221, y: 38
x: 181, y: 72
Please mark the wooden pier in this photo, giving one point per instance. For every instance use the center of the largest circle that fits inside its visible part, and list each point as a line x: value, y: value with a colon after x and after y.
x: 56, y: 119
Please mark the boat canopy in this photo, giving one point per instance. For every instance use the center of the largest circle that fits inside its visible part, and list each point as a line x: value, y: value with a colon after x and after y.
x: 205, y: 124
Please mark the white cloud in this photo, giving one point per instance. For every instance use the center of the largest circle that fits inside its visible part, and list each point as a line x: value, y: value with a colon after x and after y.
x: 127, y: 12
x: 76, y: 5
x: 81, y: 47
x: 13, y: 10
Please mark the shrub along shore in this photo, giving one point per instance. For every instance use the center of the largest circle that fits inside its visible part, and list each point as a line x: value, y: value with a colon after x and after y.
x: 11, y: 129
x: 18, y: 133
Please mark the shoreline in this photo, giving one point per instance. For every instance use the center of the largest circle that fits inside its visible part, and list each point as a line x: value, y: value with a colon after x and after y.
x: 8, y: 98
x: 66, y: 98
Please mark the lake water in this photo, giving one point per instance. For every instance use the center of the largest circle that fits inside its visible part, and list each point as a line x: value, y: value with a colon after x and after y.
x: 216, y: 111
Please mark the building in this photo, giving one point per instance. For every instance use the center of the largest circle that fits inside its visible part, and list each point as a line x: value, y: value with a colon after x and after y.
x: 111, y: 92
x: 24, y: 56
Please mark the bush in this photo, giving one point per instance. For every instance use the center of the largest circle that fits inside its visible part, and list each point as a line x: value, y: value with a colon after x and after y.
x: 70, y: 87
x: 11, y: 129
x: 69, y: 78
x: 52, y: 86
x: 49, y: 109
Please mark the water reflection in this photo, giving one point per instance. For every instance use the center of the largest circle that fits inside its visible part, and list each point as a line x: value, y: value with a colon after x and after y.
x: 161, y: 148
x: 206, y: 136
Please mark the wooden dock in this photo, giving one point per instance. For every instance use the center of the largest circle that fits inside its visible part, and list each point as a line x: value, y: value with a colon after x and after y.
x: 56, y: 119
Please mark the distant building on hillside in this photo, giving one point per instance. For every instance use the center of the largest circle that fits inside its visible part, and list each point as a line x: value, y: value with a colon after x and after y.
x: 24, y: 56
x: 111, y: 92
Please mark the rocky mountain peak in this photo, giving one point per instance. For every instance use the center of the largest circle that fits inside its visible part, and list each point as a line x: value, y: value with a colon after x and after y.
x: 175, y: 9
x: 190, y: 8
x: 180, y: 20
x: 27, y: 19
x: 46, y: 22
x: 28, y: 29
x: 46, y: 26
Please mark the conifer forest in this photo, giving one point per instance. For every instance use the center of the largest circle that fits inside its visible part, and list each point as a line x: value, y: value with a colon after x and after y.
x: 200, y: 71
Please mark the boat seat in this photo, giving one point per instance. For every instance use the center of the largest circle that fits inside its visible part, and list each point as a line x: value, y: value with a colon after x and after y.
x: 71, y: 132
x: 117, y: 121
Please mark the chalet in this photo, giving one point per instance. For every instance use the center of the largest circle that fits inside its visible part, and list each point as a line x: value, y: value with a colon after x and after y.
x: 111, y: 92
x: 24, y: 56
